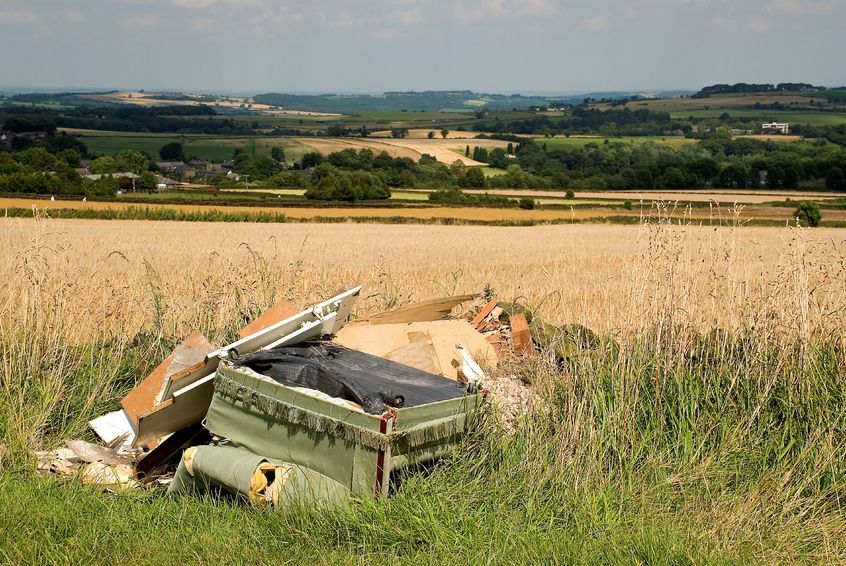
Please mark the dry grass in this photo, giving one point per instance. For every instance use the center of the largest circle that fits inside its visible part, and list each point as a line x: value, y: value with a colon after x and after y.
x: 444, y: 150
x: 713, y: 215
x: 722, y: 196
x: 103, y: 275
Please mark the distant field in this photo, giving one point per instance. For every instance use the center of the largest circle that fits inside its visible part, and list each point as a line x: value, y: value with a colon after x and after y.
x: 444, y: 150
x: 215, y: 148
x: 440, y: 213
x: 791, y: 116
x: 580, y: 141
x: 725, y: 101
x: 725, y: 197
x: 412, y: 116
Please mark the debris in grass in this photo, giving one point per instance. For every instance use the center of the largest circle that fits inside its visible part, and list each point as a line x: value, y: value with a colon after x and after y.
x: 305, y: 405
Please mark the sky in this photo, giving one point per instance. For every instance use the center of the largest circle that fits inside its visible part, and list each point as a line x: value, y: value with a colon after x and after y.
x: 552, y: 46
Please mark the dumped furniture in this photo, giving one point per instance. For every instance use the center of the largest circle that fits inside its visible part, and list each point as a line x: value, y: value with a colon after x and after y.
x: 305, y: 405
x: 337, y: 437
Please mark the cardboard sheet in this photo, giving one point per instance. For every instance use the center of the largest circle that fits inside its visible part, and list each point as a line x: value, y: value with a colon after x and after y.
x: 386, y: 340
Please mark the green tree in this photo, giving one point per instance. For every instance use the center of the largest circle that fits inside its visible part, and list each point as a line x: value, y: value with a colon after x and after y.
x: 311, y: 159
x: 399, y: 132
x: 132, y: 161
x: 145, y: 182
x: 103, y: 165
x: 835, y: 180
x: 444, y: 133
x: 808, y: 213
x: 277, y: 153
x: 498, y: 158
x: 430, y: 135
x: 172, y: 151
x: 467, y: 151
x: 527, y: 203
x: 471, y: 178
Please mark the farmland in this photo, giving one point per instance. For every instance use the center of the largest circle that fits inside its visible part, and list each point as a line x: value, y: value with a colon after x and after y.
x: 792, y: 108
x: 219, y: 148
x: 415, y: 210
x: 738, y: 330
x: 211, y: 147
x: 580, y: 141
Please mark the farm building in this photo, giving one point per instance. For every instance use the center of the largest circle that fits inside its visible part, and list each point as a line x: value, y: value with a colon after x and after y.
x: 775, y: 128
x: 164, y: 184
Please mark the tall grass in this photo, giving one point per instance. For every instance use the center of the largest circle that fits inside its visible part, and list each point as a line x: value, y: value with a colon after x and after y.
x: 708, y: 426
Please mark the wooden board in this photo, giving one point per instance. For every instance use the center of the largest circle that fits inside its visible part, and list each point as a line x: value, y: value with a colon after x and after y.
x: 426, y: 311
x: 143, y: 397
x: 521, y: 338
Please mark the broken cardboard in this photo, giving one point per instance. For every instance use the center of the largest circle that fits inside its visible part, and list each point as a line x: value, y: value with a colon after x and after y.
x: 443, y: 336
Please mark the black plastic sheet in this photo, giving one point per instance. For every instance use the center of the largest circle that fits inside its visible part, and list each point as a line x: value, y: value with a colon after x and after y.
x: 373, y: 382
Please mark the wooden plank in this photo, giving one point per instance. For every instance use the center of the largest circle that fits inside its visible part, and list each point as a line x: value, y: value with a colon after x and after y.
x: 521, y: 338
x: 282, y: 310
x: 175, y: 414
x: 143, y: 397
x: 483, y: 314
x: 426, y: 311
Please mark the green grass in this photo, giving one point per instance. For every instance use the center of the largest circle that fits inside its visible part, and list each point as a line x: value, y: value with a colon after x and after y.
x: 214, y: 148
x: 640, y: 454
x: 411, y: 116
x: 565, y: 142
x: 793, y: 117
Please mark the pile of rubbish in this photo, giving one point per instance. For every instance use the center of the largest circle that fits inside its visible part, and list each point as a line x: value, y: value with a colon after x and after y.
x: 305, y: 404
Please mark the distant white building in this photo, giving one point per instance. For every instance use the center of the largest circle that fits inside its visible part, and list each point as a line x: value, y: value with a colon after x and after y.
x: 775, y: 128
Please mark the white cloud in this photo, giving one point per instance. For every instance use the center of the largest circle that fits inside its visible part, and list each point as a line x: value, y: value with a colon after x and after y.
x: 410, y: 17
x: 759, y: 25
x: 480, y: 10
x: 210, y: 3
x: 73, y: 16
x: 18, y: 16
x: 140, y: 21
x: 800, y: 7
x: 202, y: 25
x: 536, y: 7
x: 599, y: 22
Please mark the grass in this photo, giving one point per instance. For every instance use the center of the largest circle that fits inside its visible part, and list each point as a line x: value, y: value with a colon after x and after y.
x: 793, y: 117
x: 210, y: 147
x: 563, y: 142
x: 707, y: 425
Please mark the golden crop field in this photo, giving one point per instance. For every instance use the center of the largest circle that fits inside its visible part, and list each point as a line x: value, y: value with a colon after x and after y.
x: 642, y: 209
x: 126, y: 276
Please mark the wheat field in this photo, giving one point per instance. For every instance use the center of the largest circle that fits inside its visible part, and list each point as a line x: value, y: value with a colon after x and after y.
x: 123, y: 276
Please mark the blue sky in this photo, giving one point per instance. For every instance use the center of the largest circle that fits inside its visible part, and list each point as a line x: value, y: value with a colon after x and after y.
x: 377, y: 45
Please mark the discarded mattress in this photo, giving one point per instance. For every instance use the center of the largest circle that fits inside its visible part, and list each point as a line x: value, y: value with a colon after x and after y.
x: 360, y: 451
x: 374, y: 383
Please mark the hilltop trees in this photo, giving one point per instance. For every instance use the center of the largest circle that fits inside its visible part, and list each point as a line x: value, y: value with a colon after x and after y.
x: 277, y: 153
x: 330, y: 183
x: 172, y: 151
